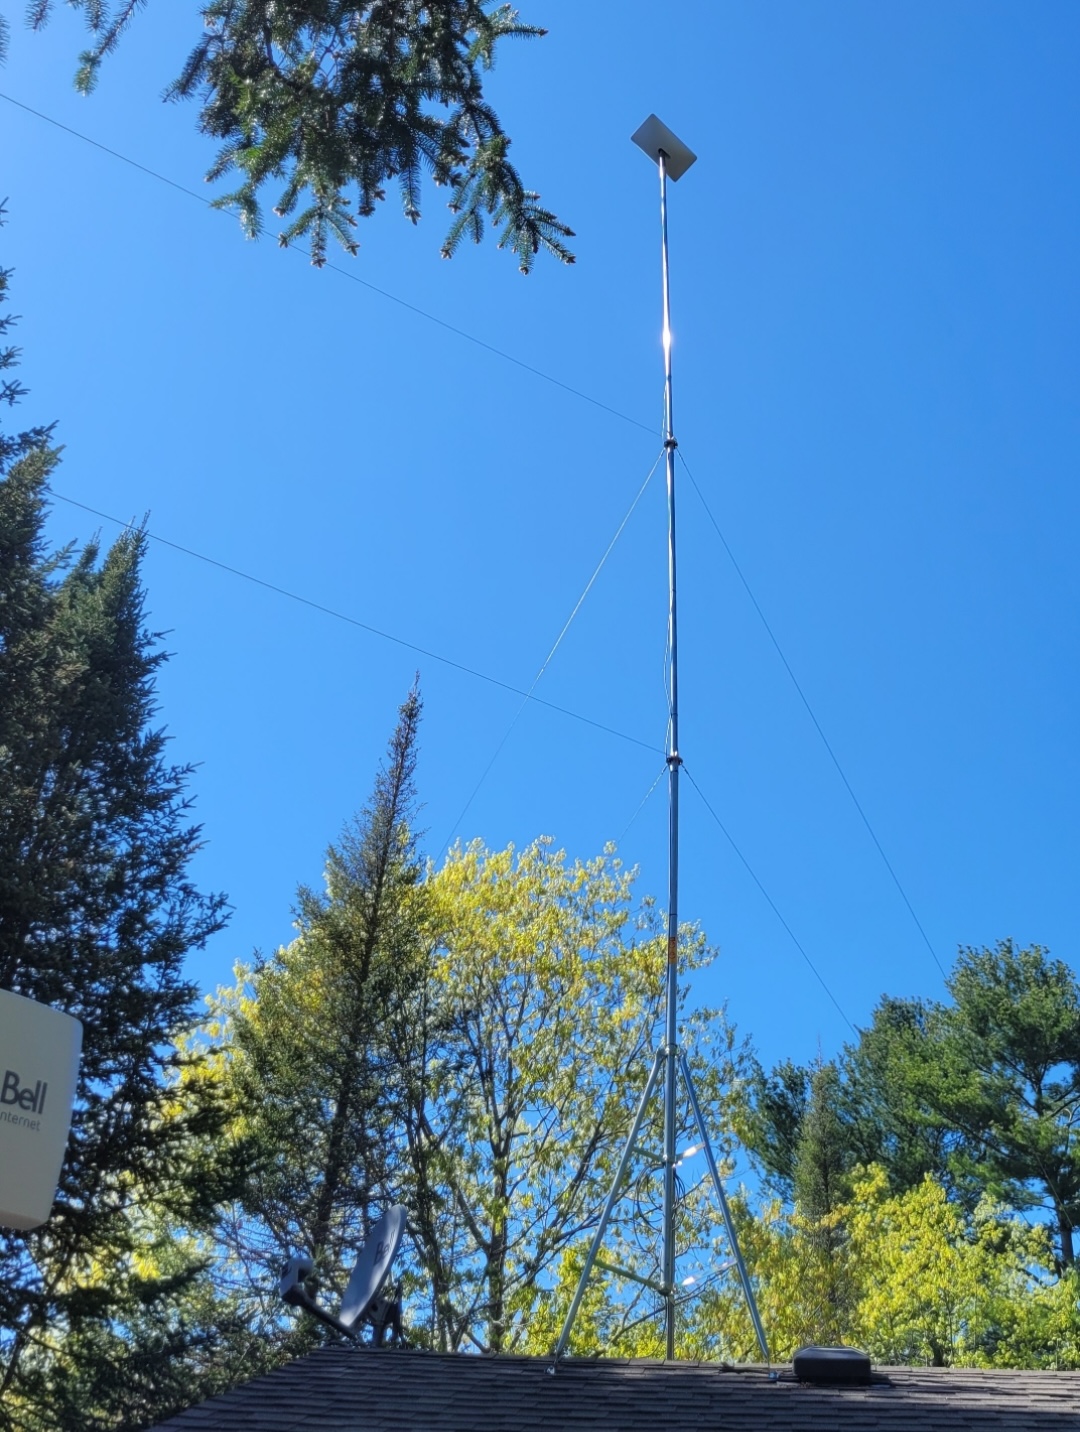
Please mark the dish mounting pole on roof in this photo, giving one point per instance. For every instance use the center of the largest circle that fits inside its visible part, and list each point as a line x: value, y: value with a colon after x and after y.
x: 673, y: 159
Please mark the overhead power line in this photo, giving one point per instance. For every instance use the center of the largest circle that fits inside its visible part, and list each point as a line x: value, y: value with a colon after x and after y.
x: 568, y: 388
x: 526, y: 695
x: 335, y: 268
x: 356, y: 622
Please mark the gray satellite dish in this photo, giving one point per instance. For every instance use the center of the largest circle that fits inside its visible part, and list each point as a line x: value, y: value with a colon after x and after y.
x: 373, y: 1265
x: 361, y: 1302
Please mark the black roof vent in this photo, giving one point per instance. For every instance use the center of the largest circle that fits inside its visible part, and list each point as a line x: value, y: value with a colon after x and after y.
x: 837, y: 1366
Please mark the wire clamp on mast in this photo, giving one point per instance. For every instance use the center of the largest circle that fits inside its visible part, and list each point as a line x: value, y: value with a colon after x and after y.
x: 671, y: 443
x: 674, y: 759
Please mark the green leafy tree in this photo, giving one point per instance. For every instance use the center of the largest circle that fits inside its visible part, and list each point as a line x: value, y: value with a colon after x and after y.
x: 97, y: 914
x: 550, y: 979
x: 939, y: 1286
x: 472, y: 1045
x: 966, y: 1114
x: 925, y: 1282
x: 323, y: 97
x: 982, y: 1093
x: 805, y: 1288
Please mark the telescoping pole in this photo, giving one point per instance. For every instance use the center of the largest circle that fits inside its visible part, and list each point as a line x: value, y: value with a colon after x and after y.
x: 671, y: 1050
x: 669, y: 1063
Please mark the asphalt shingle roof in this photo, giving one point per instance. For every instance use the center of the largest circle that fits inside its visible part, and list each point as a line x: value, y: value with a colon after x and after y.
x: 343, y: 1389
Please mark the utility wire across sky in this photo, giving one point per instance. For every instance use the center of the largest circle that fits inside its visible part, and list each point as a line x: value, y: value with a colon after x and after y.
x: 355, y: 621
x: 334, y: 268
x: 527, y: 695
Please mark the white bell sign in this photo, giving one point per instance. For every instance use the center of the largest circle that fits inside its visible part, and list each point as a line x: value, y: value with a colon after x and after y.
x: 39, y: 1070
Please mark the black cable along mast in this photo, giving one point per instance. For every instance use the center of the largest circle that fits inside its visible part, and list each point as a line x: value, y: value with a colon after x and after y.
x: 669, y: 1062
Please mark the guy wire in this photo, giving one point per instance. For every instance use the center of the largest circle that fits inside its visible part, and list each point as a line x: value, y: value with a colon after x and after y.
x: 771, y: 902
x: 528, y: 696
x: 816, y: 723
x: 642, y: 803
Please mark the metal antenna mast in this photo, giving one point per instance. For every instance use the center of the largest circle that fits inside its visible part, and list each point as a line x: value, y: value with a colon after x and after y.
x: 673, y: 159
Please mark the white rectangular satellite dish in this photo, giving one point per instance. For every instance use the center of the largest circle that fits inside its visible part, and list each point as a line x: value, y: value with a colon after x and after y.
x: 39, y: 1070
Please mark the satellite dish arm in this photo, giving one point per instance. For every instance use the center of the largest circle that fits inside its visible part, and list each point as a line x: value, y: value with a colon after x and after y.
x: 292, y: 1290
x: 298, y: 1297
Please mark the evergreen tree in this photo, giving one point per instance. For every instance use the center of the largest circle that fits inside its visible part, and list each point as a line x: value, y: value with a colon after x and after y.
x: 822, y: 1157
x: 97, y: 913
x: 472, y: 1045
x: 979, y: 1094
x: 821, y: 1186
x: 1007, y: 1078
x: 771, y: 1120
x: 325, y: 95
x: 889, y: 1120
x: 311, y: 1059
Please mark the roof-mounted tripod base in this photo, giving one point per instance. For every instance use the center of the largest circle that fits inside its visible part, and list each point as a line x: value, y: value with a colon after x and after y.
x: 593, y: 1260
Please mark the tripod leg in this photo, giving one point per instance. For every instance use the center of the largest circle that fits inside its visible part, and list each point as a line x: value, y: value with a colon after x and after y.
x: 612, y: 1199
x: 744, y: 1277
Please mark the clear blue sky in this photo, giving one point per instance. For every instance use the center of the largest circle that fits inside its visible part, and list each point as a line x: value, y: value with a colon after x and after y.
x: 876, y: 314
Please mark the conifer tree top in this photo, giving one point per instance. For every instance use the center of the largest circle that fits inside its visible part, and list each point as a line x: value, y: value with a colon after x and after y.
x: 321, y: 98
